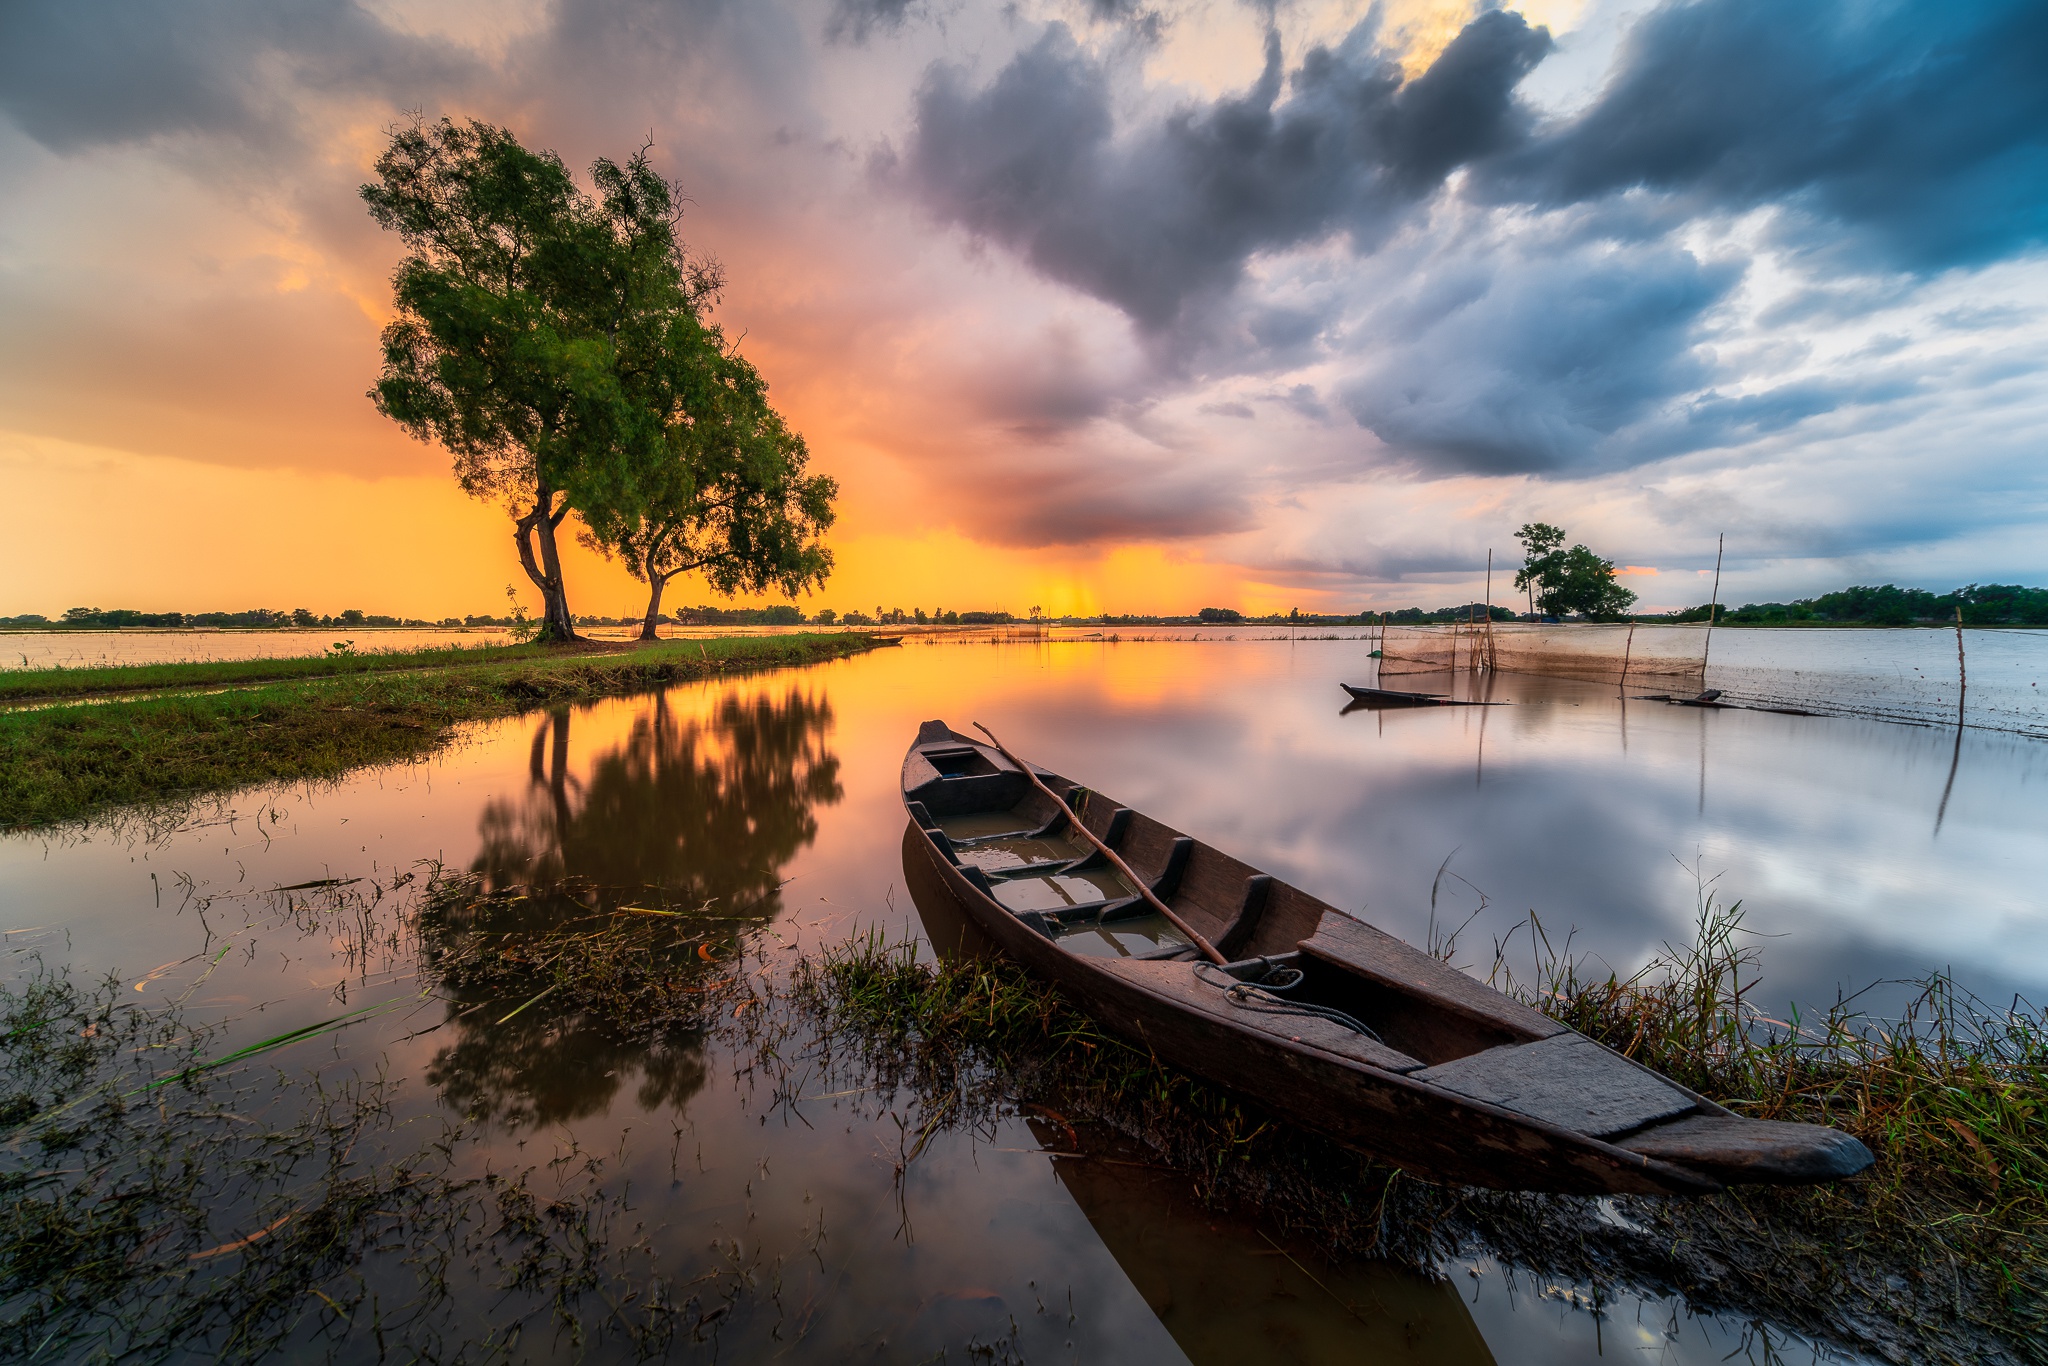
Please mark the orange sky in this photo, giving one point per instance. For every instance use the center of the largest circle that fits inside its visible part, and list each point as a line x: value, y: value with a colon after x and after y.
x: 190, y: 295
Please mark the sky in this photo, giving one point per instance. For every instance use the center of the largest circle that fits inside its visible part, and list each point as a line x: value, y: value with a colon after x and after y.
x: 1092, y: 305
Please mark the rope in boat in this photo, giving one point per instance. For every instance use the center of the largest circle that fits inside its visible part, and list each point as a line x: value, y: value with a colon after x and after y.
x: 1260, y: 999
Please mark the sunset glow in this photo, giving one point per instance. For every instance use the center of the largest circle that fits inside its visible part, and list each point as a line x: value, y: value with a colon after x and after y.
x: 1124, y: 390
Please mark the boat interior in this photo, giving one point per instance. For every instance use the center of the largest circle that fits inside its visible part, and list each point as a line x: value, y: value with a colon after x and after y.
x: 1008, y: 839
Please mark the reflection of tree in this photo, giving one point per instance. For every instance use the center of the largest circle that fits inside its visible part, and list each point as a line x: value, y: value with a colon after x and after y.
x: 697, y: 817
x: 698, y: 809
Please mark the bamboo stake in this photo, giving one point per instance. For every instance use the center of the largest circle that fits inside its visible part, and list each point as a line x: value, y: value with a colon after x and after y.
x: 1714, y: 610
x: 1626, y: 651
x: 1143, y: 890
x: 1962, y: 669
x: 1492, y: 662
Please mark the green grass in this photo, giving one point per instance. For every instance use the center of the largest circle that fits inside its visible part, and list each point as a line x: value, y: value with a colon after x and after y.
x: 34, y: 685
x: 76, y: 760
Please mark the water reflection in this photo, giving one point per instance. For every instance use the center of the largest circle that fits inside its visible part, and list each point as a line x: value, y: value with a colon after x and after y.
x: 694, y: 816
x: 1229, y: 1294
x: 705, y: 809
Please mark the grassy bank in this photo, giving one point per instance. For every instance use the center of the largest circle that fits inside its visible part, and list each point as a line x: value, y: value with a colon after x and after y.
x: 1939, y: 1254
x: 202, y: 728
x: 40, y: 685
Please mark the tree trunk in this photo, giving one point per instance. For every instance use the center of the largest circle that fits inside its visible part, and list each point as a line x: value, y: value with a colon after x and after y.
x: 655, y: 583
x: 539, y: 525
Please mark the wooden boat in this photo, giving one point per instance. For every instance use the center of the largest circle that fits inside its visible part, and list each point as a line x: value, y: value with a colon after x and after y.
x: 1315, y: 1014
x: 1387, y: 697
x: 885, y: 640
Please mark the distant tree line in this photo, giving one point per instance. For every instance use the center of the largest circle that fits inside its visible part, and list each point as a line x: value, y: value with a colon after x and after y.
x: 255, y: 618
x: 1989, y: 604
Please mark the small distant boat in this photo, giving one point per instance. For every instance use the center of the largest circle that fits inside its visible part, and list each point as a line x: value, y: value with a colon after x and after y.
x: 1387, y: 697
x: 1220, y: 969
x: 885, y: 640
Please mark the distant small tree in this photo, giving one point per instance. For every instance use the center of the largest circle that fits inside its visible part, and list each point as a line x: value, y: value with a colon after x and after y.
x: 1216, y: 616
x: 826, y: 616
x: 1568, y: 582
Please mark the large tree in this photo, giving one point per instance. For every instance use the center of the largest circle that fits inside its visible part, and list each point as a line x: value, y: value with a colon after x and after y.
x: 713, y: 480
x: 1567, y: 582
x: 524, y: 305
x: 726, y: 494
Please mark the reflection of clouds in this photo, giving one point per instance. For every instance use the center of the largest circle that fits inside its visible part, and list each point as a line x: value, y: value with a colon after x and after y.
x: 1822, y: 828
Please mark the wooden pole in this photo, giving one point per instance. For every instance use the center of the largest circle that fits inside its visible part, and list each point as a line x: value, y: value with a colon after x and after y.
x: 1962, y: 669
x: 1626, y: 651
x: 1116, y: 862
x: 1491, y: 662
x: 1714, y: 610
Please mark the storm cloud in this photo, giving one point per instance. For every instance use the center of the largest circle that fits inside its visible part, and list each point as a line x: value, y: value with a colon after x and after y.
x: 1158, y: 216
x: 1919, y: 129
x: 73, y: 76
x: 1336, y: 302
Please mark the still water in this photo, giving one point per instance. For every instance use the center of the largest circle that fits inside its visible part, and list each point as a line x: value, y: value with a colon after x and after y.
x: 1861, y: 851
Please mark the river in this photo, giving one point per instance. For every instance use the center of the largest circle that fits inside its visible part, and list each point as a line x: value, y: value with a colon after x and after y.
x: 1862, y: 852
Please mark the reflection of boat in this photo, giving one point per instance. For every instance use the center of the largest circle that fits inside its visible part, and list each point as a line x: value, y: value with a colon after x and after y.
x: 1710, y: 700
x: 1318, y: 1015
x: 1228, y: 1294
x: 1387, y: 697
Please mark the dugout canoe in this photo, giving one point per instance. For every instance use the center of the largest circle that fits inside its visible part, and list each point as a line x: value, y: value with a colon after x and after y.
x: 1388, y: 697
x: 1316, y: 1014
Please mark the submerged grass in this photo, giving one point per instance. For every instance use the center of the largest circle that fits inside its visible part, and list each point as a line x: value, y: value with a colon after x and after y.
x: 195, y: 1214
x: 1939, y: 1254
x: 164, y: 1197
x: 68, y: 762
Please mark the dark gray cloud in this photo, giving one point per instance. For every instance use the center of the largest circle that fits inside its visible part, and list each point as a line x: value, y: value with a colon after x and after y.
x: 1170, y: 212
x: 76, y: 75
x: 1534, y: 360
x: 1071, y: 498
x: 854, y: 21
x: 1922, y: 128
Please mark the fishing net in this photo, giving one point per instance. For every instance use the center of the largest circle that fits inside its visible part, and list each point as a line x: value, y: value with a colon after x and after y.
x: 1599, y: 654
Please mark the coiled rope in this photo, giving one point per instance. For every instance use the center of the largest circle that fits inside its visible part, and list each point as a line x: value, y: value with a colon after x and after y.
x: 1259, y: 998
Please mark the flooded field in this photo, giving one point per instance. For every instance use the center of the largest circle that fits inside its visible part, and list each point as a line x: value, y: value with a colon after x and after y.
x: 727, y: 1185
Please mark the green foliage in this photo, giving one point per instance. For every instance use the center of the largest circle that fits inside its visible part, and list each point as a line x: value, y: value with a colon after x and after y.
x: 781, y: 614
x: 535, y: 324
x: 1218, y: 616
x: 702, y: 473
x: 1573, y: 582
x: 1416, y: 616
x: 1994, y: 604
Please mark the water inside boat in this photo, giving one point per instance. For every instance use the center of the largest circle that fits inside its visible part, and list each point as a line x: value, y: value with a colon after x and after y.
x: 1138, y: 936
x: 1004, y: 856
x: 1062, y: 891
